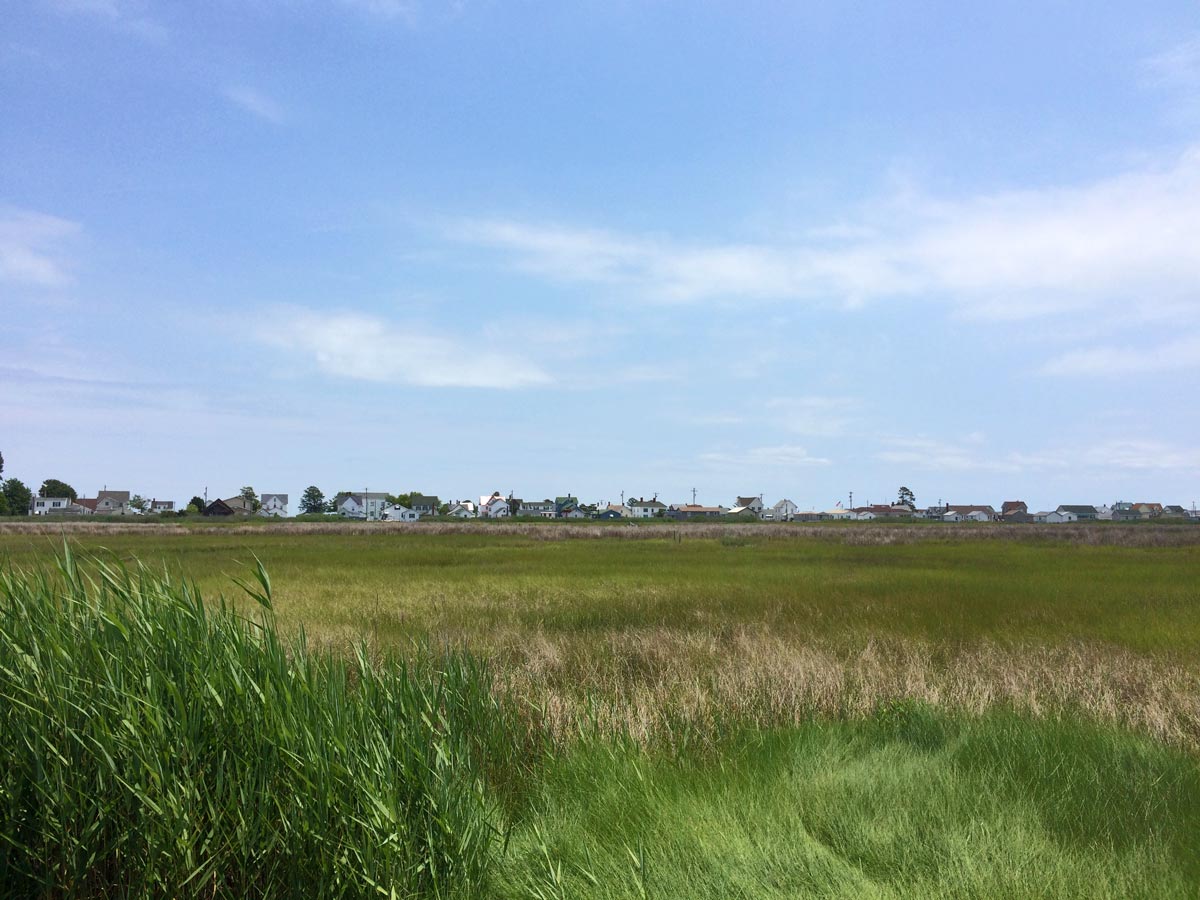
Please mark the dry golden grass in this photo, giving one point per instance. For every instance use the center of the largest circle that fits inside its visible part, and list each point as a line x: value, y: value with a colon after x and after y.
x: 655, y: 683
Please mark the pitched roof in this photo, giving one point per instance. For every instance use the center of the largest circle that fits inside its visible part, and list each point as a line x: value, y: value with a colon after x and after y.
x: 119, y: 496
x: 87, y: 502
x: 970, y: 509
x: 748, y: 501
x: 1078, y: 510
x: 424, y: 500
x: 283, y: 498
x: 650, y: 504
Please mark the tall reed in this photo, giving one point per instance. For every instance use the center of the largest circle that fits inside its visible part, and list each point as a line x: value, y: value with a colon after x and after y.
x: 154, y: 745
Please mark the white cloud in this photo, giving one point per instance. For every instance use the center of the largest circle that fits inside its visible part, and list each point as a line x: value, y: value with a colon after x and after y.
x: 1129, y: 359
x: 256, y: 103
x: 782, y: 456
x: 1127, y: 240
x: 1177, y: 66
x: 31, y: 247
x: 969, y: 455
x: 405, y: 10
x: 124, y: 15
x: 351, y: 345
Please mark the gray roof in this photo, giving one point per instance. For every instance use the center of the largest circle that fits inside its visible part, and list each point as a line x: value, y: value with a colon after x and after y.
x: 283, y: 498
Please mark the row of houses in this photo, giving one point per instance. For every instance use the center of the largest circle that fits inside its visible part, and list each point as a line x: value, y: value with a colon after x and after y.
x: 105, y: 503
x: 378, y: 507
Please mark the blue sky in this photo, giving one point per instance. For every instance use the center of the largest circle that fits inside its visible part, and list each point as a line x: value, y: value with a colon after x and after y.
x: 796, y: 249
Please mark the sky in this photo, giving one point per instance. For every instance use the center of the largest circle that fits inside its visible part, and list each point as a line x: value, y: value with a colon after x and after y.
x: 792, y: 249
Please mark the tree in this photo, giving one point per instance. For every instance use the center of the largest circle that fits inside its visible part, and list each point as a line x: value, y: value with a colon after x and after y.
x: 138, y: 502
x: 905, y: 497
x: 1, y: 465
x: 19, y: 497
x: 3, y: 504
x: 251, y: 498
x: 312, y: 501
x: 404, y: 500
x: 197, y: 502
x: 52, y: 487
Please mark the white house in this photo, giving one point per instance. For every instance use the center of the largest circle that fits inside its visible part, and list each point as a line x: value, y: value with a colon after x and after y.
x: 462, y: 509
x: 1055, y: 517
x: 41, y: 506
x: 646, y: 509
x: 274, y: 505
x: 784, y: 511
x: 162, y: 506
x: 493, y: 507
x: 1104, y: 513
x: 394, y: 512
x: 362, y: 506
x: 953, y: 515
x: 978, y: 515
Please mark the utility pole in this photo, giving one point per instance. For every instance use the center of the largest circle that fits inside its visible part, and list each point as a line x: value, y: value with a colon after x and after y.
x: 693, y: 496
x: 852, y: 499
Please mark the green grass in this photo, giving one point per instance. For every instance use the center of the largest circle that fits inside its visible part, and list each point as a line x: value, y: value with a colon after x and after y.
x: 156, y: 747
x: 720, y: 717
x: 405, y: 585
x: 909, y: 803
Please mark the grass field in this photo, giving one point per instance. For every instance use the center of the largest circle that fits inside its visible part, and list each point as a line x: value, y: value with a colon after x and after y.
x: 741, y: 712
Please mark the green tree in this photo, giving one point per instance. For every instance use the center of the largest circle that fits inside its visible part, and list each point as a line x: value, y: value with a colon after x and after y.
x: 197, y: 502
x: 402, y: 499
x: 52, y: 487
x: 905, y: 497
x: 138, y: 502
x: 19, y: 497
x: 3, y: 504
x: 312, y: 501
x: 247, y: 494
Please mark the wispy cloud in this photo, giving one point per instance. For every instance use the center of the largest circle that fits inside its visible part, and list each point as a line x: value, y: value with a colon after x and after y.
x: 780, y: 456
x: 352, y: 345
x: 123, y: 15
x: 972, y: 455
x: 1178, y: 66
x: 1125, y: 240
x: 32, y: 247
x: 256, y: 103
x: 1128, y: 359
x: 403, y: 10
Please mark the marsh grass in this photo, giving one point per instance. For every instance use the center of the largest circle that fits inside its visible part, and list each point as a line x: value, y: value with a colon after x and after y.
x: 154, y: 745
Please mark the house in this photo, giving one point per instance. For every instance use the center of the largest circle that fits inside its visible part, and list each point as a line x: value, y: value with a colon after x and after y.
x: 113, y: 503
x: 275, y: 505
x: 493, y: 507
x: 1148, y: 510
x: 1055, y: 517
x: 1081, y: 513
x: 86, y: 506
x: 425, y: 505
x: 461, y: 509
x: 1017, y: 517
x: 952, y: 515
x: 396, y: 512
x: 784, y: 511
x: 978, y: 515
x: 162, y: 507
x: 696, y: 511
x: 366, y: 505
x: 646, y: 509
x: 542, y: 509
x: 231, y: 506
x: 1174, y: 511
x: 1133, y: 512
x: 1009, y: 507
x: 885, y: 511
x: 810, y: 515
x: 43, y: 506
x: 990, y: 514
x: 1104, y: 513
x: 566, y: 507
x: 837, y: 513
x: 753, y: 504
x: 614, y: 511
